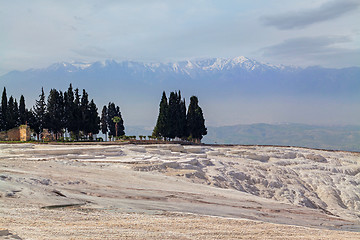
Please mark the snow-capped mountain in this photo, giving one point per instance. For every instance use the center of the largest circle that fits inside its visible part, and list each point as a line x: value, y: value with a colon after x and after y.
x: 187, y: 67
x: 218, y: 82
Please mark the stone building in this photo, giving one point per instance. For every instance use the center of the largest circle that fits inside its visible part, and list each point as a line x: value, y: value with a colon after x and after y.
x: 21, y: 133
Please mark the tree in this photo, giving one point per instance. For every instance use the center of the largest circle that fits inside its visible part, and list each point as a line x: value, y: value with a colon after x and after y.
x: 116, y: 120
x: 22, y: 111
x: 173, y: 116
x: 39, y: 113
x: 77, y: 114
x: 31, y: 120
x: 162, y: 127
x: 16, y: 113
x: 112, y: 112
x: 104, y: 125
x: 55, y: 112
x: 121, y: 129
x: 69, y: 110
x: 182, y: 118
x: 4, y: 111
x: 195, y: 120
x: 85, y: 114
x: 11, y: 115
x: 94, y: 119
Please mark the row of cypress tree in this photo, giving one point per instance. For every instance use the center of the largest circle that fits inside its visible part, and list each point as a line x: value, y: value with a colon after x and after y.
x: 173, y: 120
x: 69, y: 111
x: 63, y: 111
x: 12, y: 114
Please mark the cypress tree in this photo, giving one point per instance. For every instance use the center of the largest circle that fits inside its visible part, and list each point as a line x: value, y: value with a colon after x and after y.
x: 104, y: 125
x: 39, y: 113
x: 61, y: 107
x: 182, y: 120
x: 4, y: 111
x: 111, y: 114
x: 94, y: 119
x: 173, y: 115
x: 54, y: 113
x: 16, y: 113
x: 22, y: 110
x: 77, y: 114
x: 11, y: 120
x: 162, y: 127
x: 120, y: 128
x: 85, y: 114
x: 195, y: 120
x: 69, y: 109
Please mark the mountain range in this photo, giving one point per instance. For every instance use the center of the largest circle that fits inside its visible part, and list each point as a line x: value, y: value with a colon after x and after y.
x: 221, y: 84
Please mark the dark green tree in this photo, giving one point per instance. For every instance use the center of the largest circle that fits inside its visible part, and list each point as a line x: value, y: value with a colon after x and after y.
x: 77, y: 115
x: 31, y: 120
x: 55, y: 112
x: 104, y: 125
x: 94, y: 119
x: 114, y: 111
x: 111, y: 114
x: 4, y: 111
x: 85, y: 113
x: 16, y: 113
x: 69, y: 110
x: 173, y: 115
x: 11, y: 115
x: 182, y: 120
x: 121, y: 128
x: 162, y: 127
x: 39, y: 114
x: 195, y: 120
x: 22, y: 111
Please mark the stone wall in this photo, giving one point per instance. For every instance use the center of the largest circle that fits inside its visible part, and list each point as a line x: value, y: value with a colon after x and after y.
x: 21, y: 133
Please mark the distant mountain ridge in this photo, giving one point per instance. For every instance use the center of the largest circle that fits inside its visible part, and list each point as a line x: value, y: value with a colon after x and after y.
x: 187, y: 67
x: 218, y: 82
x: 241, y: 73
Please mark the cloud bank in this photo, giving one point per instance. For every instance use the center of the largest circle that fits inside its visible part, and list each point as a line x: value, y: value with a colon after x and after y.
x: 313, y: 50
x: 302, y: 19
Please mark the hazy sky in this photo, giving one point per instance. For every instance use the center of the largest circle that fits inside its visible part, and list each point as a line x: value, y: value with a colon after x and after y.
x: 304, y: 32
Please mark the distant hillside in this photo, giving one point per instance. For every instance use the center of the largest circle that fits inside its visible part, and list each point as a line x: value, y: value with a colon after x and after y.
x: 333, y: 137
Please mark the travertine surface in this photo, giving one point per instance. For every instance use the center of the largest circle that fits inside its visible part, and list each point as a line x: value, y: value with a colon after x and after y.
x: 177, y: 192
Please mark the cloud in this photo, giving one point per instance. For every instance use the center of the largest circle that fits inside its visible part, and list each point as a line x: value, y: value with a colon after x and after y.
x: 302, y: 19
x: 322, y: 50
x: 92, y: 51
x: 305, y: 46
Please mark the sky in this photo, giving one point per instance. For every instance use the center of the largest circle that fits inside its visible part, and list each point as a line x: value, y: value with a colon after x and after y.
x: 37, y: 33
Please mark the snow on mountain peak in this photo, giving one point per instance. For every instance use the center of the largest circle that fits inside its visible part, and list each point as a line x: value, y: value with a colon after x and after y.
x: 81, y: 65
x: 175, y: 67
x: 228, y: 63
x: 240, y: 59
x: 189, y: 64
x: 188, y: 67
